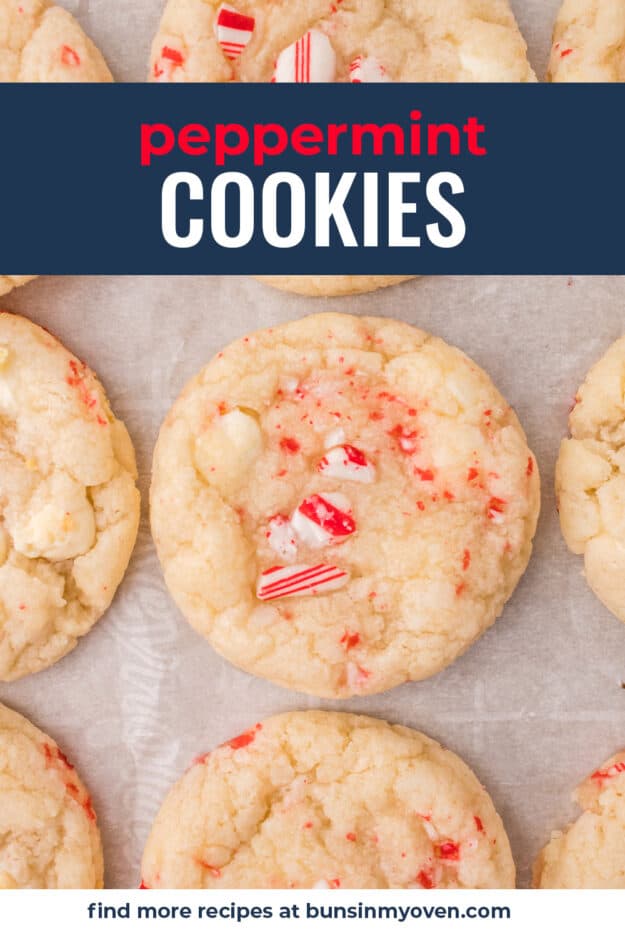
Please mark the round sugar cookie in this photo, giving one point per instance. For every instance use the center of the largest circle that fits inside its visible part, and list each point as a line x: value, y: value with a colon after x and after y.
x: 40, y: 42
x: 590, y: 479
x: 354, y: 40
x: 69, y: 506
x: 328, y: 801
x: 590, y: 854
x: 49, y: 837
x: 588, y: 42
x: 342, y: 504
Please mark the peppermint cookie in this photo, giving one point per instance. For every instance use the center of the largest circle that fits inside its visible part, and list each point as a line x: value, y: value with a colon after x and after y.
x: 44, y: 43
x: 587, y: 42
x: 347, y: 41
x: 49, y: 837
x: 342, y: 504
x: 591, y: 853
x: 590, y: 479
x: 69, y: 506
x: 328, y: 801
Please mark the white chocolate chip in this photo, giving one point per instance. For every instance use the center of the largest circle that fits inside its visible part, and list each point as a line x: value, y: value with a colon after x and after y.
x: 58, y: 524
x: 228, y: 449
x: 334, y: 438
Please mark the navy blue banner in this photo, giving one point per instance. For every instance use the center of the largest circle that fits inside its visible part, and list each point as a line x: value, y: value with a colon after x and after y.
x: 317, y: 179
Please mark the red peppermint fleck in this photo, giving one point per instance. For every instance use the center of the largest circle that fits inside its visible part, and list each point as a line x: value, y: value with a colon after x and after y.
x: 449, y: 495
x: 472, y: 475
x: 466, y: 560
x: 350, y: 640
x: 424, y: 878
x: 488, y: 413
x: 289, y: 445
x: 496, y: 506
x: 376, y: 415
x: 460, y: 589
x: 406, y: 440
x: 173, y: 55
x: 142, y: 885
x: 530, y: 467
x: 307, y: 826
x: 334, y: 883
x: 240, y: 742
x: 448, y: 851
x: 421, y: 506
x: 351, y: 836
x: 565, y: 52
x: 70, y: 57
x: 478, y: 823
x: 426, y: 475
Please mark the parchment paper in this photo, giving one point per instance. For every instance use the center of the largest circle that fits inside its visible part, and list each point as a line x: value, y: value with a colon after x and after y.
x: 534, y: 705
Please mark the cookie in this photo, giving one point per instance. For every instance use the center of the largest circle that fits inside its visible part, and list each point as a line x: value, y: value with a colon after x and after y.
x: 353, y: 40
x: 328, y: 801
x: 591, y: 853
x: 342, y: 504
x: 587, y: 42
x: 44, y: 43
x: 590, y: 479
x: 49, y: 837
x: 7, y: 283
x: 69, y: 506
x: 331, y: 285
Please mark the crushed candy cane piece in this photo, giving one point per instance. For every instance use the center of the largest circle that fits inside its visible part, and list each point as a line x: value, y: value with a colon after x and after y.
x: 448, y: 851
x: 281, y: 537
x: 365, y: 68
x: 323, y: 519
x: 310, y: 59
x: 611, y: 772
x: 334, y: 438
x: 233, y: 30
x: 300, y: 580
x: 347, y: 463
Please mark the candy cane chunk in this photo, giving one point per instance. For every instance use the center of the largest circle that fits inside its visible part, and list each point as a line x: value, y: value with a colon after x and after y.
x: 233, y: 30
x: 590, y: 853
x: 48, y: 826
x: 300, y: 580
x: 323, y: 800
x: 310, y: 59
x: 347, y: 463
x: 281, y: 537
x: 323, y: 520
x: 367, y: 69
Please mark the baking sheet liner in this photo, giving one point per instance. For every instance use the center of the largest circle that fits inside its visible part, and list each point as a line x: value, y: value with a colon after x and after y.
x: 533, y: 706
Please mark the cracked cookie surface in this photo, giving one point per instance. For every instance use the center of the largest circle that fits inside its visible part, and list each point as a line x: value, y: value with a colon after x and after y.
x: 328, y: 800
x: 40, y: 42
x: 342, y: 504
x: 590, y: 479
x: 412, y: 40
x: 588, y: 42
x: 49, y: 837
x: 69, y: 506
x: 590, y: 854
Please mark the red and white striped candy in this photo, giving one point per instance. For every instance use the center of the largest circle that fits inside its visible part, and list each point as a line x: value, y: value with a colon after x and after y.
x: 367, y: 69
x: 347, y: 463
x: 281, y: 537
x: 324, y: 519
x: 309, y: 59
x: 233, y: 30
x: 300, y: 580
